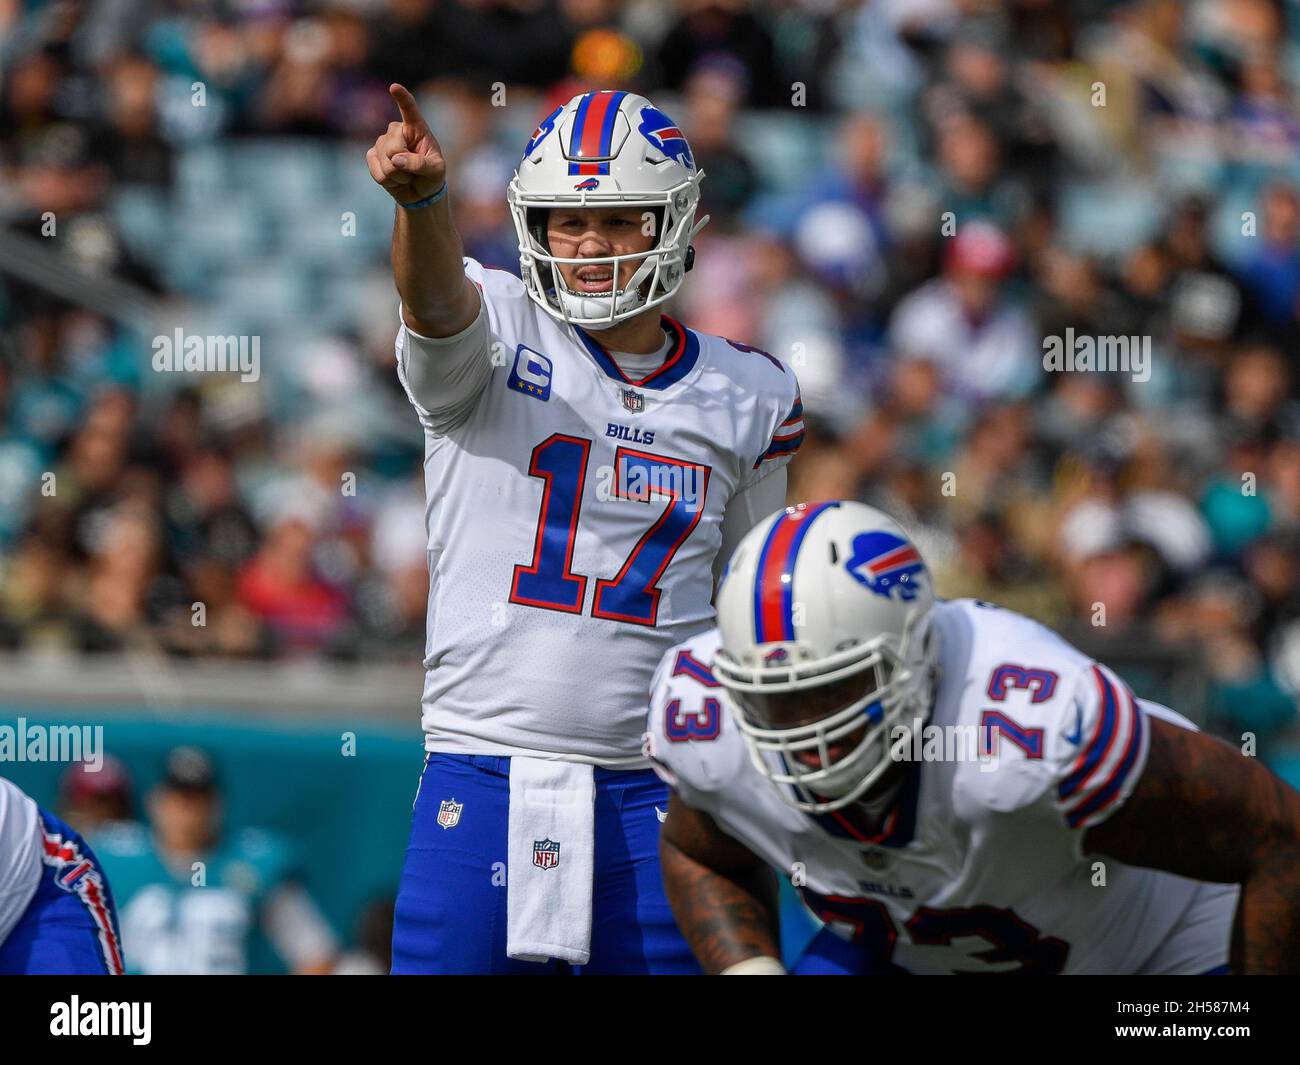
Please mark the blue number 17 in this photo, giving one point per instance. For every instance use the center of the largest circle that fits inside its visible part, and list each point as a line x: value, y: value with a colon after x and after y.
x: 632, y: 595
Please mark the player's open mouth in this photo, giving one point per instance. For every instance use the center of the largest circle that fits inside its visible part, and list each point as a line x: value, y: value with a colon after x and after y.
x: 594, y: 279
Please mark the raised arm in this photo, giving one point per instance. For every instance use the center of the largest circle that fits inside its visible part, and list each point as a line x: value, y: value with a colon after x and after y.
x: 1202, y: 810
x: 724, y: 898
x: 438, y: 300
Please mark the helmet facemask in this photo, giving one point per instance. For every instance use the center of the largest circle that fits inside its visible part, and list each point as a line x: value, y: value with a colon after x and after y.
x: 874, y: 700
x: 659, y: 272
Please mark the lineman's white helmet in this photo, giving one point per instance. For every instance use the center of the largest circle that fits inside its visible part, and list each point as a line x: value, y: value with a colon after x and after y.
x: 827, y: 648
x: 606, y: 149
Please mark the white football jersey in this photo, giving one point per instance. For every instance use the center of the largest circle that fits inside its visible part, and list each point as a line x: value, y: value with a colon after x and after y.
x: 573, y: 518
x: 979, y: 866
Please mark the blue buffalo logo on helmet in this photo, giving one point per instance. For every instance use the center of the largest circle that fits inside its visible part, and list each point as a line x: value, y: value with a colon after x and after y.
x: 539, y: 134
x: 887, y: 564
x: 776, y: 657
x: 664, y: 134
x: 590, y: 183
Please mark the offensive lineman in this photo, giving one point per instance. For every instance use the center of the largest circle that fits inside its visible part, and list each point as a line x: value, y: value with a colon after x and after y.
x: 587, y: 459
x: 1079, y: 830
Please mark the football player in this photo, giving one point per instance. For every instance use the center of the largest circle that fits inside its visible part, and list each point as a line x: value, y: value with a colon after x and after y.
x: 587, y: 460
x: 56, y: 909
x: 951, y: 787
x: 197, y: 900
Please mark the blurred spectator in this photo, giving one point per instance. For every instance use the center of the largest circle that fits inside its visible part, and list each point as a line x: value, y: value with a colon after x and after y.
x: 1207, y: 305
x: 973, y: 179
x: 987, y: 565
x: 280, y: 586
x: 711, y: 30
x: 129, y: 142
x: 90, y: 799
x: 968, y: 324
x: 713, y: 95
x: 192, y: 900
x: 1272, y: 272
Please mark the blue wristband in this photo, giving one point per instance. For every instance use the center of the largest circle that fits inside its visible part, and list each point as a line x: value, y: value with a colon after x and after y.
x: 428, y: 201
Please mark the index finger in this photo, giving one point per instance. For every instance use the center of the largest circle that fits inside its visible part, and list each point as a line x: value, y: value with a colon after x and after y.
x: 406, y: 104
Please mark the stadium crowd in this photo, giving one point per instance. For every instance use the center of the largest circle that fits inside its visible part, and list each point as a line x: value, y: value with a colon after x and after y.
x: 910, y: 199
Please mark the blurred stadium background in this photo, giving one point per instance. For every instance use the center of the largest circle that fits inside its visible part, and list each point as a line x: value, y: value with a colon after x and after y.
x: 1115, y: 168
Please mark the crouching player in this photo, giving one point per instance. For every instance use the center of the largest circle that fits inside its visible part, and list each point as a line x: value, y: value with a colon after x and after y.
x: 952, y: 787
x: 56, y: 910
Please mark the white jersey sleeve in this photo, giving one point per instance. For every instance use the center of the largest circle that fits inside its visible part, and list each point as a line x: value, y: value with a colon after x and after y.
x: 1080, y: 759
x: 783, y: 422
x: 687, y: 721
x: 746, y: 509
x: 1098, y: 761
x: 20, y: 854
x: 444, y: 377
x: 1058, y: 732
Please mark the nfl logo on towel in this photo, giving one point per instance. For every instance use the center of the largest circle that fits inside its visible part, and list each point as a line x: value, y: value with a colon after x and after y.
x: 633, y: 401
x: 449, y: 813
x: 546, y: 853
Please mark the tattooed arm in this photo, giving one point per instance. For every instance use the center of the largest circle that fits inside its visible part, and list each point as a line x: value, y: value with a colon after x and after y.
x: 724, y: 898
x: 1202, y: 810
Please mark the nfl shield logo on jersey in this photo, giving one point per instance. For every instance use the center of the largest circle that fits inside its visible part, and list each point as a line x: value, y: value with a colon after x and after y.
x: 546, y: 853
x: 633, y: 401
x: 449, y: 813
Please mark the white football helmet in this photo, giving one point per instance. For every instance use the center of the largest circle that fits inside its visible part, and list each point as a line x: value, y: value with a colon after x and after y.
x: 606, y: 149
x: 827, y: 648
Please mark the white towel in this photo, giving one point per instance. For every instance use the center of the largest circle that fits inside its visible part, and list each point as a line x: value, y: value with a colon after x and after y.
x: 551, y: 860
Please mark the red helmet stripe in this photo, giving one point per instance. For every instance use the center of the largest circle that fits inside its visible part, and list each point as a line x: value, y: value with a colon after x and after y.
x: 593, y: 123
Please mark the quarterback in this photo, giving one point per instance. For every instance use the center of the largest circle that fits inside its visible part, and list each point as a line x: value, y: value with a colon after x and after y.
x: 1084, y: 831
x: 588, y: 459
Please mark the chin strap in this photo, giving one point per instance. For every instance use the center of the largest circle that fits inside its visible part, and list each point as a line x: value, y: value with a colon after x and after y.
x: 689, y: 259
